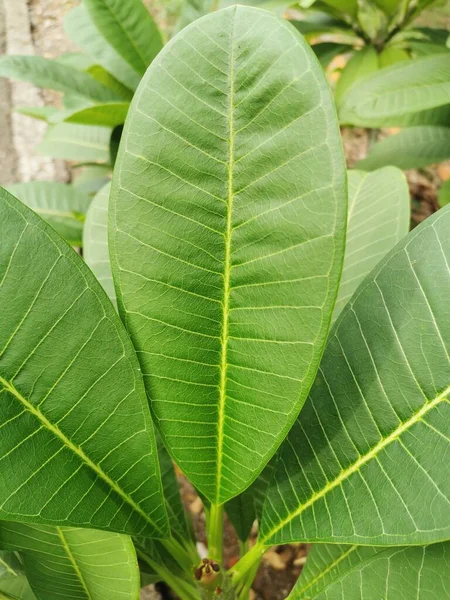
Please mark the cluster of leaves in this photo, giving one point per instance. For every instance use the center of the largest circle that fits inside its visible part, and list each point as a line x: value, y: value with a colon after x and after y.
x: 118, y: 40
x: 231, y: 251
x: 397, y: 75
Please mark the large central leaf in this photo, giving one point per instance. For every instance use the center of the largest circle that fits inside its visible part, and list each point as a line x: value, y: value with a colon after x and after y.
x: 228, y: 218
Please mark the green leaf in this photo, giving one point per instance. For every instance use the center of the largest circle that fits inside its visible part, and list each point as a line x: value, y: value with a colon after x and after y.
x: 90, y: 177
x: 106, y: 115
x: 95, y: 241
x: 242, y: 513
x: 63, y: 206
x: 80, y: 61
x: 380, y: 101
x: 348, y: 7
x: 191, y: 10
x: 102, y: 75
x: 390, y: 7
x: 420, y: 48
x: 372, y: 20
x: 360, y: 66
x: 391, y: 56
x: 74, y: 413
x: 67, y: 562
x: 314, y: 27
x: 51, y: 74
x: 43, y: 113
x: 96, y: 255
x: 82, y: 31
x: 76, y: 142
x: 378, y: 218
x: 242, y: 510
x: 433, y: 116
x: 410, y: 149
x: 367, y: 460
x: 227, y: 218
x: 13, y: 582
x: 366, y: 573
x: 129, y: 28
x: 444, y: 193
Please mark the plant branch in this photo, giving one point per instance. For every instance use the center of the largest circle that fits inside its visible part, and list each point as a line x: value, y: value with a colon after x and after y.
x: 185, y: 590
x: 247, y: 562
x: 179, y: 553
x: 248, y: 581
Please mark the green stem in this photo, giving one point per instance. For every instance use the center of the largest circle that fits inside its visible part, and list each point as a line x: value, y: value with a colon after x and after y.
x: 248, y: 581
x: 215, y: 532
x: 179, y: 553
x: 243, y: 548
x: 247, y: 562
x: 192, y: 551
x: 183, y: 589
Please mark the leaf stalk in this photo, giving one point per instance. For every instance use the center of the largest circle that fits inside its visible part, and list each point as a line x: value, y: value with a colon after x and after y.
x: 215, y: 532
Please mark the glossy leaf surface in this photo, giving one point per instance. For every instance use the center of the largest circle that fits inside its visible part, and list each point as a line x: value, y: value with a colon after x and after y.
x: 226, y: 233
x: 63, y: 206
x: 378, y: 218
x: 365, y: 573
x: 73, y: 563
x: 73, y: 413
x: 376, y: 426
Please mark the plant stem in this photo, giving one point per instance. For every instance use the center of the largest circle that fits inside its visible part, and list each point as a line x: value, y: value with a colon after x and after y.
x: 215, y: 532
x: 185, y: 590
x: 180, y: 554
x: 243, y: 548
x: 247, y: 562
x: 248, y: 581
x: 192, y: 551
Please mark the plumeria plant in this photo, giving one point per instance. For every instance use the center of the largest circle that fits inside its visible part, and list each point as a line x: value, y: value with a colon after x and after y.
x: 198, y: 333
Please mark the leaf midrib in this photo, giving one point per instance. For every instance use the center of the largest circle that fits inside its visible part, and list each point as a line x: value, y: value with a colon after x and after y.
x: 54, y: 429
x: 227, y: 273
x: 125, y: 32
x: 73, y: 562
x: 362, y: 460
